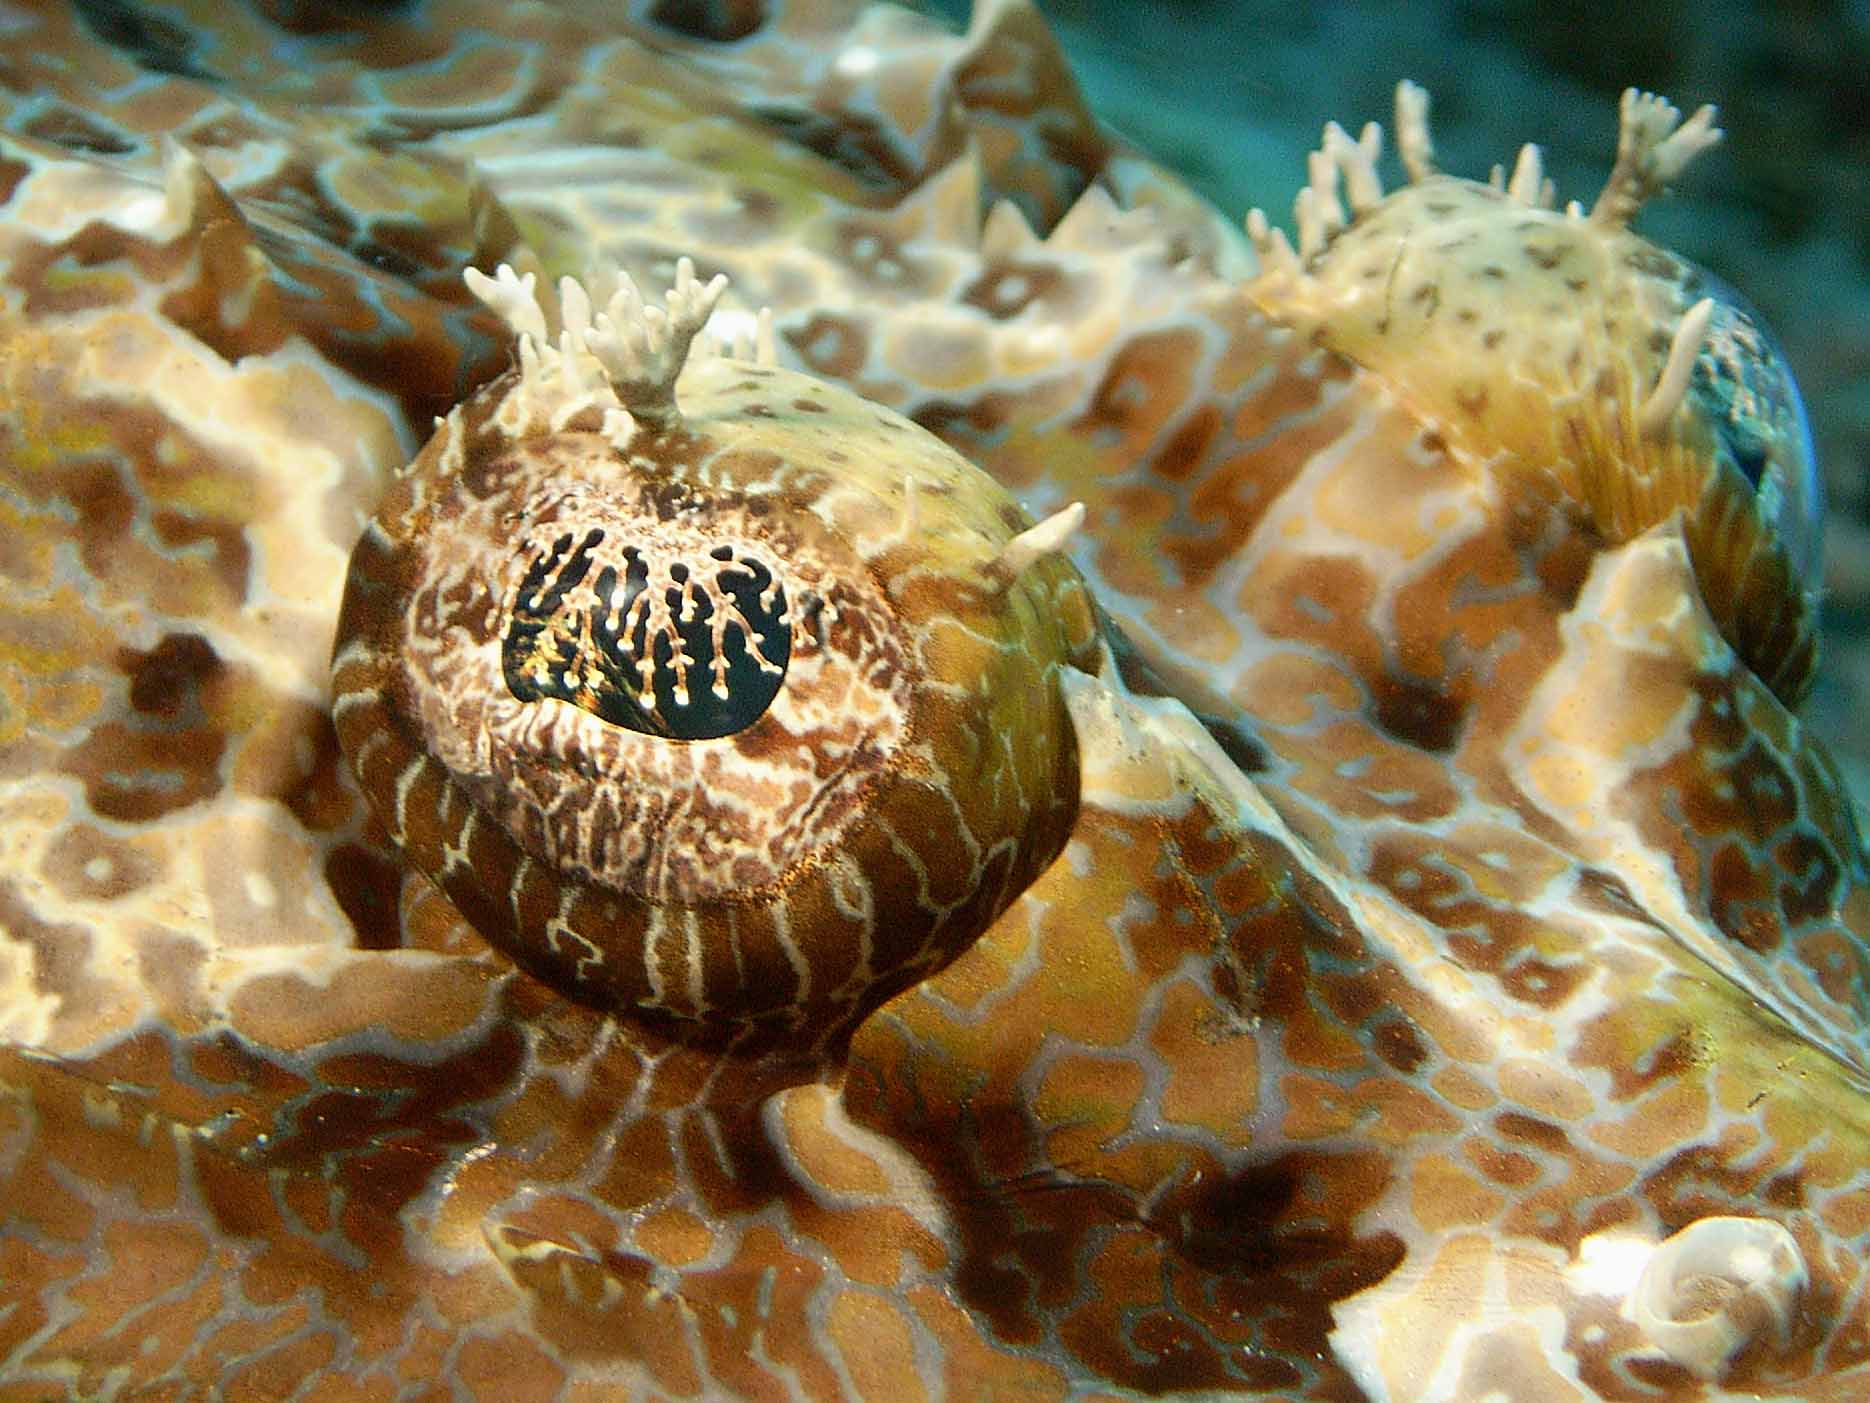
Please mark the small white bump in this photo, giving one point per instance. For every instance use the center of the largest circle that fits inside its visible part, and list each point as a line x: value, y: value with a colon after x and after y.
x: 260, y: 890
x: 858, y: 61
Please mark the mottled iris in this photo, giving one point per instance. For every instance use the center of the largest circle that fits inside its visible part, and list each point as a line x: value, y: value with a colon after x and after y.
x: 687, y: 649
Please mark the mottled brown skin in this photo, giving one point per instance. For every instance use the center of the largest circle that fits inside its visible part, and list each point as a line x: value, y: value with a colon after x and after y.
x: 1450, y: 927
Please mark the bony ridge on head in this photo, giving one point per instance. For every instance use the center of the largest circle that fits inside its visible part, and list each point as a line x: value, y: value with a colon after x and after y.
x: 707, y: 690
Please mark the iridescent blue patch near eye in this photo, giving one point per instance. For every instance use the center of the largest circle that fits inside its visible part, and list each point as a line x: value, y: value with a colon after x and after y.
x: 1743, y: 388
x: 708, y: 663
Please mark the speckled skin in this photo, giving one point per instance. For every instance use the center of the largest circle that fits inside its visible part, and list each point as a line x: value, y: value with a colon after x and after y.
x: 1448, y: 917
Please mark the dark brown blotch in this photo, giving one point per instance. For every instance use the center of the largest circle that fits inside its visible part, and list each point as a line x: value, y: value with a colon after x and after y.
x: 1531, y: 1130
x: 78, y: 131
x: 367, y: 885
x: 831, y: 346
x: 1543, y: 983
x: 169, y: 680
x: 11, y: 174
x: 1005, y: 290
x: 1398, y: 1043
x: 1423, y: 714
x: 164, y: 753
x: 1812, y: 884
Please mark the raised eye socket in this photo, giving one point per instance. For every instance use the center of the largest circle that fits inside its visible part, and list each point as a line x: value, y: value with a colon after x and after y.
x: 744, y: 720
x: 649, y: 640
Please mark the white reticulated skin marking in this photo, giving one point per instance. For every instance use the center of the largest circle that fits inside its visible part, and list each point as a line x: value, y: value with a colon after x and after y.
x: 694, y: 946
x: 655, y: 941
x: 910, y: 1186
x: 850, y: 889
x: 404, y: 783
x: 372, y: 743
x: 564, y: 939
x: 455, y: 849
x: 522, y: 873
x: 795, y: 956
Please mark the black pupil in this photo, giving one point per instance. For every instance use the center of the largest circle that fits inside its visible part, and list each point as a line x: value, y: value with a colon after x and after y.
x: 601, y: 649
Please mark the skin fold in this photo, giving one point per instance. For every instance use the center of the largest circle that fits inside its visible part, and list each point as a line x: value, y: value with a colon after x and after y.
x: 1349, y: 914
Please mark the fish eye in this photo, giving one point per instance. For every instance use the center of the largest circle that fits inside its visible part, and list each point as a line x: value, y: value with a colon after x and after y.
x: 648, y: 639
x: 1744, y: 389
x: 688, y: 715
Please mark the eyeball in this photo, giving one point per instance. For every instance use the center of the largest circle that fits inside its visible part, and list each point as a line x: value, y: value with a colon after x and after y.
x: 742, y: 710
x: 1743, y: 390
